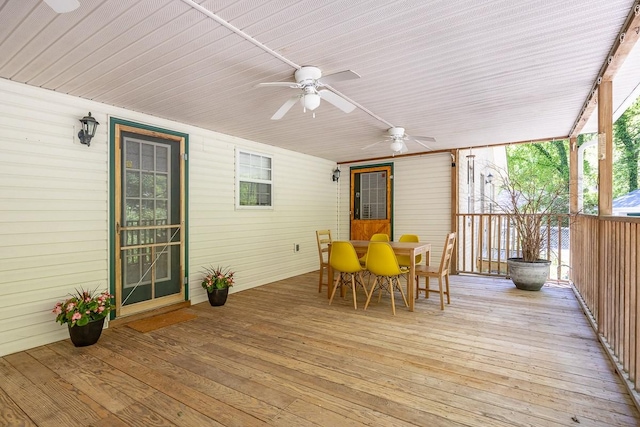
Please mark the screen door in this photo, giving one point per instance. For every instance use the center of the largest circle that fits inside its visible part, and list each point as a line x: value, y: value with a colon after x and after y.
x: 149, y: 226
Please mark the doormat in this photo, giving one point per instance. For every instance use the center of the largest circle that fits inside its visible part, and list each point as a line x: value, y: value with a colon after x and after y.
x: 160, y: 321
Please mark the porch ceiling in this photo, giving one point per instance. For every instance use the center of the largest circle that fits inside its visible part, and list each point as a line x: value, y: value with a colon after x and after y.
x: 466, y: 73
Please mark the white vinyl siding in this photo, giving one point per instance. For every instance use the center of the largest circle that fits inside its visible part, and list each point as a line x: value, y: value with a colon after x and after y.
x: 53, y: 213
x: 54, y: 210
x: 421, y: 199
x: 257, y: 244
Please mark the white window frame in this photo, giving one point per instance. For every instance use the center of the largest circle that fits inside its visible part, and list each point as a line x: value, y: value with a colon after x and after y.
x: 239, y: 179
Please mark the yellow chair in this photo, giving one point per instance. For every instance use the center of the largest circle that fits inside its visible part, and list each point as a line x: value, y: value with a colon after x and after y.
x: 404, y: 260
x: 344, y: 260
x: 324, y: 240
x: 378, y: 237
x: 382, y: 262
x: 441, y: 272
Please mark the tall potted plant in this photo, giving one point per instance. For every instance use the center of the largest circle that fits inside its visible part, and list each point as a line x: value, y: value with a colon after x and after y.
x: 217, y: 282
x: 533, y: 207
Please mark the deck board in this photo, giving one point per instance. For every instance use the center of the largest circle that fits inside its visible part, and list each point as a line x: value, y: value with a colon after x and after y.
x: 280, y: 355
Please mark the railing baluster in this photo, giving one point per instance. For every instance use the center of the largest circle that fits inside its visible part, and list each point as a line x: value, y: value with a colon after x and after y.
x: 603, y: 262
x: 488, y: 240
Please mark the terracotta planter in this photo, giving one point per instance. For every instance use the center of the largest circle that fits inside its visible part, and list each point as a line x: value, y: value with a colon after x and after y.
x: 89, y: 334
x: 528, y: 276
x: 218, y: 296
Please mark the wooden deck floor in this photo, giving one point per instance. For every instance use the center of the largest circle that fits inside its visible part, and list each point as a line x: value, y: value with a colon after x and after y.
x: 279, y: 355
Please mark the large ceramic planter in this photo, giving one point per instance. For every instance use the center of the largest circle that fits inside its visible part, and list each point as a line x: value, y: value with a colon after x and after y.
x: 528, y: 276
x: 218, y: 297
x: 89, y: 334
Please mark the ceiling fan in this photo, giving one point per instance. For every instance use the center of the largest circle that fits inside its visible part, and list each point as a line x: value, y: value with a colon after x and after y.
x: 63, y: 6
x: 310, y: 80
x: 398, y: 138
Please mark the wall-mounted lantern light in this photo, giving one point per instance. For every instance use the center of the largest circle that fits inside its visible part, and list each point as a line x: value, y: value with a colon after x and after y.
x: 489, y: 178
x: 89, y: 125
x: 336, y: 174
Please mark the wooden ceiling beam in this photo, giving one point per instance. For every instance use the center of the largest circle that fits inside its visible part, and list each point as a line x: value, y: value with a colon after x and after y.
x: 621, y: 48
x: 448, y: 150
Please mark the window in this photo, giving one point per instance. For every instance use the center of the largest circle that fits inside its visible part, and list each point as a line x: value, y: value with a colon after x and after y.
x: 254, y: 180
x: 373, y: 197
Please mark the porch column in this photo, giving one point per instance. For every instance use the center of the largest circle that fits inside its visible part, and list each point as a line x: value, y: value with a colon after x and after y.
x: 573, y: 204
x: 573, y: 175
x: 605, y: 185
x: 455, y: 207
x: 605, y: 148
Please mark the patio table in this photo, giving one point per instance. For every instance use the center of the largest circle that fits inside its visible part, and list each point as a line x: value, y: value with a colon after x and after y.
x: 411, y: 249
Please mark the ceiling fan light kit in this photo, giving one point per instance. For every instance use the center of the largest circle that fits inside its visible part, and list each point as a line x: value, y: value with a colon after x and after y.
x: 310, y: 80
x: 310, y: 101
x: 397, y: 137
x: 396, y: 146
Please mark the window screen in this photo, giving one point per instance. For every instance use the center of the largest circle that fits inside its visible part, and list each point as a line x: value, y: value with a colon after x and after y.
x: 373, y: 195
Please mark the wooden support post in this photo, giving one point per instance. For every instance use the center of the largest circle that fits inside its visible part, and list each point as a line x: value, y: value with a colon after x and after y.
x: 605, y: 148
x: 455, y: 207
x: 605, y: 189
x: 573, y: 200
x: 573, y: 175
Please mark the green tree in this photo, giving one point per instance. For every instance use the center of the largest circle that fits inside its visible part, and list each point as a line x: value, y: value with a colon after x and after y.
x: 626, y: 132
x: 541, y: 163
x: 589, y: 177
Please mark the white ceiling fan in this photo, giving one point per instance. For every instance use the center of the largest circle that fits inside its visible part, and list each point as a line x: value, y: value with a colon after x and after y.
x: 310, y: 80
x: 63, y: 6
x: 397, y: 138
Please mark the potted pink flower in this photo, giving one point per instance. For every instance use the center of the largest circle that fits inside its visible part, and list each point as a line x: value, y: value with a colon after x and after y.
x: 84, y: 313
x: 217, y: 282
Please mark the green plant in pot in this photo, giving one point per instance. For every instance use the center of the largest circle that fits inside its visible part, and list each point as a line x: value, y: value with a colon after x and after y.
x: 217, y: 282
x: 84, y: 313
x: 534, y: 207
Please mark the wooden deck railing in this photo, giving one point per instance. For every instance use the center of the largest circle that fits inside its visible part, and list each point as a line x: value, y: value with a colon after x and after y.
x: 600, y: 256
x: 485, y: 241
x: 606, y: 261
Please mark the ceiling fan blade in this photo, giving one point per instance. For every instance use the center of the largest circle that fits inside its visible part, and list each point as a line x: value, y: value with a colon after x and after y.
x: 63, y: 6
x: 285, y: 107
x: 339, y: 76
x: 336, y: 100
x: 425, y: 145
x: 292, y: 85
x: 371, y: 145
x: 424, y: 138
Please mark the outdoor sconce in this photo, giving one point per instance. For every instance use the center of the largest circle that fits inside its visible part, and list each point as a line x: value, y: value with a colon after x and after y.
x: 336, y: 175
x: 89, y: 125
x: 489, y: 178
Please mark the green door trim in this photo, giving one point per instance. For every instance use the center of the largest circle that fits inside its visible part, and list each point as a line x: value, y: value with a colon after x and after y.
x: 375, y: 165
x: 113, y: 122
